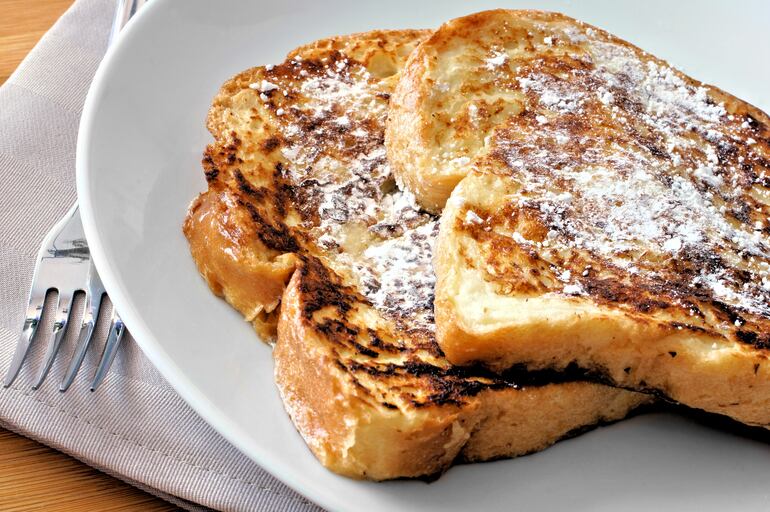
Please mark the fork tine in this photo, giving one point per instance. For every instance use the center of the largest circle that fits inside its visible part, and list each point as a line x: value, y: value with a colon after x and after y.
x: 70, y: 229
x: 91, y: 311
x: 63, y: 308
x: 31, y: 322
x: 117, y: 329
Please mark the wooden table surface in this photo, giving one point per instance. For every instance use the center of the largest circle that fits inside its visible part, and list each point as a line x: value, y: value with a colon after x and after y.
x: 33, y: 476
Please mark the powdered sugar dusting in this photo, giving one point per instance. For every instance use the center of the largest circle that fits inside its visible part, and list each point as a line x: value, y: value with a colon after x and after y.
x: 335, y: 159
x: 334, y: 150
x: 497, y: 59
x: 555, y: 95
x: 670, y: 183
x: 649, y: 214
x: 398, y: 275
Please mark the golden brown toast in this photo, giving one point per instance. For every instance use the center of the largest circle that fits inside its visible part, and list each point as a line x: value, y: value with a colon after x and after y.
x: 240, y: 229
x: 616, y: 220
x: 300, y: 190
x: 456, y: 87
x: 373, y: 402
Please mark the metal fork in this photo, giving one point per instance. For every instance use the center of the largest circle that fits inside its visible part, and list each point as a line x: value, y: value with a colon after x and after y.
x: 64, y: 265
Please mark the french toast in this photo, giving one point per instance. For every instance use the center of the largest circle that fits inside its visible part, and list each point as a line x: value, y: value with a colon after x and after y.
x: 303, y: 230
x: 455, y: 88
x: 615, y: 221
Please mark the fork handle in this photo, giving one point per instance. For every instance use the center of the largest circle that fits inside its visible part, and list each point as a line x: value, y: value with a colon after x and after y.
x: 124, y: 12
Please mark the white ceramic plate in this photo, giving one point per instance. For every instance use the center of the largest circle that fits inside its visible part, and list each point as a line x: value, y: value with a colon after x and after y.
x: 139, y: 150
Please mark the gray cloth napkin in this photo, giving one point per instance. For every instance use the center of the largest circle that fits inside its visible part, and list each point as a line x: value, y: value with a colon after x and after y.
x: 135, y: 427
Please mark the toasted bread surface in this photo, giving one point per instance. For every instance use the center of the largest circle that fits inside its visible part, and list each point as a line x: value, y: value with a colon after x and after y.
x: 372, y: 403
x: 300, y: 190
x: 245, y: 229
x: 618, y: 221
x: 456, y: 87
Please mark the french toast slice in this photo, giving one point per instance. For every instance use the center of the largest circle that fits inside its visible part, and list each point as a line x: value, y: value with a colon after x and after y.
x: 375, y: 402
x: 300, y: 192
x: 457, y: 86
x: 240, y: 228
x: 616, y: 221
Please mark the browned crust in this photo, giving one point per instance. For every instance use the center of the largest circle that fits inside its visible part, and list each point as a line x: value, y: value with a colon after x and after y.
x: 355, y: 435
x: 409, y: 133
x: 371, y: 402
x: 239, y: 233
x: 349, y: 432
x: 362, y: 46
x: 681, y: 361
x: 234, y: 262
x: 671, y: 366
x: 647, y: 333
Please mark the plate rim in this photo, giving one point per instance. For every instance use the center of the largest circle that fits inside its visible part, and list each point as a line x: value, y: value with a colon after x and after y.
x: 140, y: 332
x: 149, y: 343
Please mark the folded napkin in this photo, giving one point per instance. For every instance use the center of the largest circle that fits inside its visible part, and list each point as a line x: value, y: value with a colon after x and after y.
x: 135, y: 427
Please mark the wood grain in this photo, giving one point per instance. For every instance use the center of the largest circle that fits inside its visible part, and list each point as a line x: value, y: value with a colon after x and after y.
x: 33, y: 476
x: 22, y: 23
